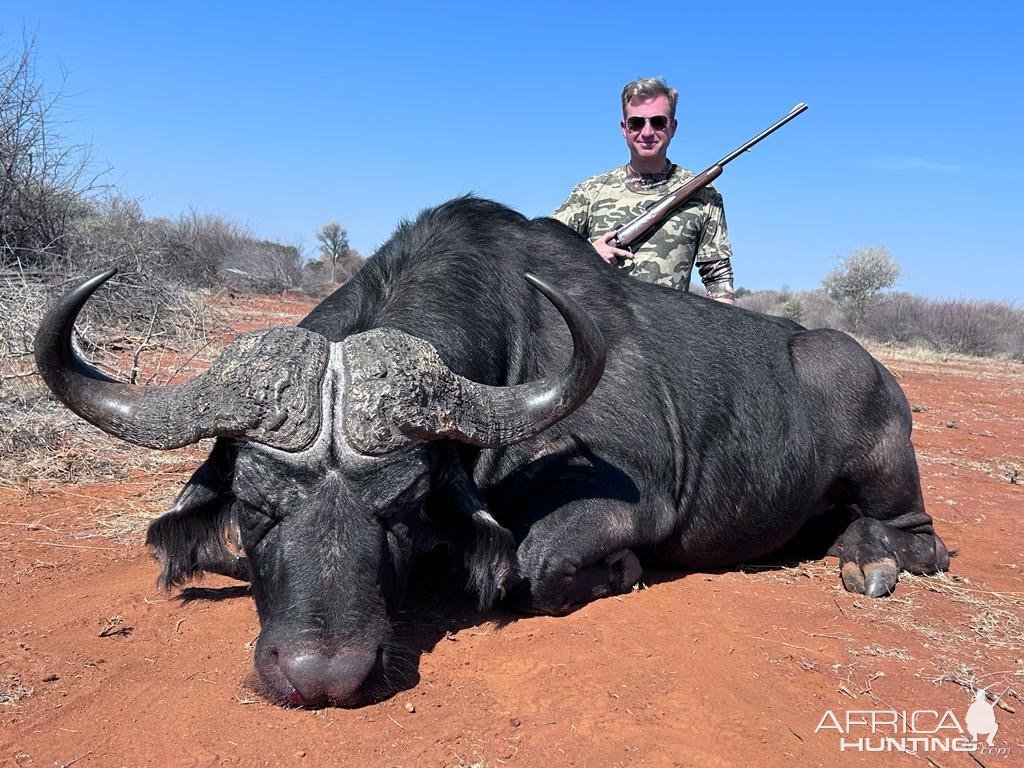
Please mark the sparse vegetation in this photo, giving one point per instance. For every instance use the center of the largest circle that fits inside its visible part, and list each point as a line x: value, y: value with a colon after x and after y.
x: 58, y: 225
x: 43, y: 178
x: 853, y: 298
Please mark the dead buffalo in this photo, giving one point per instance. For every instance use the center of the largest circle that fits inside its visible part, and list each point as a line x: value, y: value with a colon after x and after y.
x: 441, y: 397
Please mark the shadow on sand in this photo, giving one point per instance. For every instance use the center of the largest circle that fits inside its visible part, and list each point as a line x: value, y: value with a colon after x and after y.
x: 437, y: 607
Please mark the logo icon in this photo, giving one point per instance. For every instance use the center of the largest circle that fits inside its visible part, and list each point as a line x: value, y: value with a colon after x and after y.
x: 981, y: 717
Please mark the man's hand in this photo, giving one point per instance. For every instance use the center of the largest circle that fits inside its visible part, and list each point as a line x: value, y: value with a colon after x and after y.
x: 609, y: 252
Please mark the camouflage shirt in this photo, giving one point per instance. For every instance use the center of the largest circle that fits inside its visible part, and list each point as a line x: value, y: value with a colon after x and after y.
x: 696, y: 233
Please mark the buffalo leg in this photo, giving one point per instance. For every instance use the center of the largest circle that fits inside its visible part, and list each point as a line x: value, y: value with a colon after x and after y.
x: 863, y: 423
x: 576, y: 554
x: 894, y: 534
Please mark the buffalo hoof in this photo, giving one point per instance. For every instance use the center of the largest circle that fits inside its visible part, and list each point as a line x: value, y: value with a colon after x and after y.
x: 941, y: 557
x: 873, y: 579
x: 624, y: 570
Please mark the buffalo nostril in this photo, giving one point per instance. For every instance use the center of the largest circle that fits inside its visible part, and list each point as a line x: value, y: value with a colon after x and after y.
x: 346, y: 673
x: 304, y: 671
x: 316, y: 678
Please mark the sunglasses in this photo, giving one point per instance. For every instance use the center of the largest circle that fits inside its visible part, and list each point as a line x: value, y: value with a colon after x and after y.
x: 636, y: 123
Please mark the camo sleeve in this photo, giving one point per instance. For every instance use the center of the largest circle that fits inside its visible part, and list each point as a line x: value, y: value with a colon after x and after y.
x: 714, y: 252
x: 717, y: 277
x: 575, y: 211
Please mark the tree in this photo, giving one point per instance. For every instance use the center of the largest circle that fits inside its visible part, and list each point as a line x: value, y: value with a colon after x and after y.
x: 43, y: 178
x: 334, y: 246
x: 858, y: 280
x: 794, y: 309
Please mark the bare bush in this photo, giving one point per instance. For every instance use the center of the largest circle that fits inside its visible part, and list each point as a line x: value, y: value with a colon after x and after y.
x: 110, y: 231
x: 759, y: 301
x: 316, y: 278
x: 812, y: 309
x: 264, y: 266
x: 820, y: 311
x: 194, y: 248
x: 43, y: 178
x: 980, y: 328
x: 895, y: 320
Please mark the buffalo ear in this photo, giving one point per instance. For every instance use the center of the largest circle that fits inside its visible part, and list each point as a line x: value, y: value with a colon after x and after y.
x: 491, y: 558
x: 190, y: 539
x: 488, y: 548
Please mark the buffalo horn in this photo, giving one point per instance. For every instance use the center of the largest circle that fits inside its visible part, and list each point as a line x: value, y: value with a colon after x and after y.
x: 265, y: 386
x: 398, y: 390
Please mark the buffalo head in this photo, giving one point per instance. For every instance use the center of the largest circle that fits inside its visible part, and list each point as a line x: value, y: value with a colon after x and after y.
x: 326, y: 457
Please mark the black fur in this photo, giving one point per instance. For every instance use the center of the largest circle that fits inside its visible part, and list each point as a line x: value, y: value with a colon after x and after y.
x: 714, y: 435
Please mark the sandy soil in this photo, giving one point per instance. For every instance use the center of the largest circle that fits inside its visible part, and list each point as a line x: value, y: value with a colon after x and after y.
x: 99, y: 667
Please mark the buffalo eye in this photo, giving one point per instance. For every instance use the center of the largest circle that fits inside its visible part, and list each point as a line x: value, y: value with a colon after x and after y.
x: 409, y: 500
x: 254, y: 524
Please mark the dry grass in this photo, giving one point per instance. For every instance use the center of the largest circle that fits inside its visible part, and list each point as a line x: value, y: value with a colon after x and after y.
x: 40, y: 439
x: 977, y: 648
x: 971, y: 635
x: 953, y: 363
x: 1006, y: 468
x: 994, y: 619
x: 988, y: 621
x: 879, y: 651
x: 123, y: 517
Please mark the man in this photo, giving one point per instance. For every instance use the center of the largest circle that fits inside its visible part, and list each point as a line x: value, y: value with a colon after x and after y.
x: 694, y: 234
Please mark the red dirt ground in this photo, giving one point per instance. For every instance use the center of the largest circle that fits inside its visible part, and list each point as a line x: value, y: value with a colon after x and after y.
x: 98, y: 667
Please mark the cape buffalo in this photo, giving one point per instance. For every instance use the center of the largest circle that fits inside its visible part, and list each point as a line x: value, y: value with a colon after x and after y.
x: 421, y: 403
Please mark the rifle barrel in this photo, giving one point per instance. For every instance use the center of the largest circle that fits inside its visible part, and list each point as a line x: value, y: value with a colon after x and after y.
x: 798, y: 109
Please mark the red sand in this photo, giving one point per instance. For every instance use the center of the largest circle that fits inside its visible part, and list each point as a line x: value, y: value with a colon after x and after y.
x: 727, y: 669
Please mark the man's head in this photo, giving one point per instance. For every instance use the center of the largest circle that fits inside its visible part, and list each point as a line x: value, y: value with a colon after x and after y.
x: 648, y: 122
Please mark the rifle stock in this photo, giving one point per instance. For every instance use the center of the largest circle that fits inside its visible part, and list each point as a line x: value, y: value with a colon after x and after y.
x: 665, y: 206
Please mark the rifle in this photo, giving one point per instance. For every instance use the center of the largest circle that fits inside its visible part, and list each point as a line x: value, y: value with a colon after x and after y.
x: 665, y: 206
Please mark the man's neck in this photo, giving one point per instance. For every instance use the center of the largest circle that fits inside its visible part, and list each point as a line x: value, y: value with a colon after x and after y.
x: 648, y: 165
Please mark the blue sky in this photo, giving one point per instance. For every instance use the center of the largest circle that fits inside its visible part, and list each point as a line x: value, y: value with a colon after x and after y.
x: 285, y: 116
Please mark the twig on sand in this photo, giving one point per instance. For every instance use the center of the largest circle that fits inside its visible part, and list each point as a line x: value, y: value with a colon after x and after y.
x: 72, y: 762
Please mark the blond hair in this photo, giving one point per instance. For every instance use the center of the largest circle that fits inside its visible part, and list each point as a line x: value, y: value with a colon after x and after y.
x: 648, y: 87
